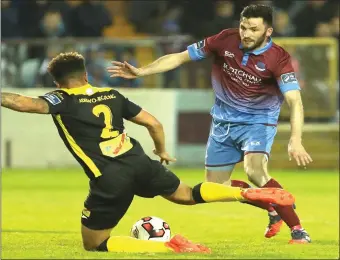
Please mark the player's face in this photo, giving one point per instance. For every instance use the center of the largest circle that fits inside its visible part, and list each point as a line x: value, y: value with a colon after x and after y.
x: 254, y: 33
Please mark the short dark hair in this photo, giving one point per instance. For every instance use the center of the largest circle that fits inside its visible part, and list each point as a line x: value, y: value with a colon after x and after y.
x: 66, y: 65
x: 259, y: 11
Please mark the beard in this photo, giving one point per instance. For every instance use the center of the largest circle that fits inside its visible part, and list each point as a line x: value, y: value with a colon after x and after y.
x: 256, y: 44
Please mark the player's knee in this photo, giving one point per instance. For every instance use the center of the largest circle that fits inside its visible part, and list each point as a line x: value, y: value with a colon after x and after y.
x: 254, y: 173
x: 94, y: 240
x: 257, y: 176
x: 95, y: 246
x: 251, y: 171
x: 254, y: 167
x: 183, y: 195
x: 186, y: 195
x: 89, y: 246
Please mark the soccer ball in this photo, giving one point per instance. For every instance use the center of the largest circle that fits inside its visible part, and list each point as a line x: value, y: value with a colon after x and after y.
x: 151, y: 228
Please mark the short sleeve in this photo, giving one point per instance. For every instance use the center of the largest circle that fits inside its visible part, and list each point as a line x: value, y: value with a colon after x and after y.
x: 57, y: 102
x: 130, y: 109
x: 202, y: 49
x: 285, y: 74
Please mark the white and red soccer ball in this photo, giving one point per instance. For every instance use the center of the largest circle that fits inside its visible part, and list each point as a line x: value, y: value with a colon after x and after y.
x: 151, y: 228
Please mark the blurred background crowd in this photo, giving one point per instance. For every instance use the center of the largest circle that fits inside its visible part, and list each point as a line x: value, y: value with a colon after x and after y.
x: 87, y: 18
x: 141, y: 31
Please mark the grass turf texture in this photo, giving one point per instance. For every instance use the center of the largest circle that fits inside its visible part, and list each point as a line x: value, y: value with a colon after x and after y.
x: 41, y: 218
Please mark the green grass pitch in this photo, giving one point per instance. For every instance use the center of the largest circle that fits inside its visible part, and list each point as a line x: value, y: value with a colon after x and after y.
x: 41, y: 218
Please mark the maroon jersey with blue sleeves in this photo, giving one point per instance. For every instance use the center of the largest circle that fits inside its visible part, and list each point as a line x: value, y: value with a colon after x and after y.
x: 249, y: 85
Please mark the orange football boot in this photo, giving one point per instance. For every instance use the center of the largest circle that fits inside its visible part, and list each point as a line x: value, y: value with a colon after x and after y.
x: 269, y: 195
x: 180, y: 244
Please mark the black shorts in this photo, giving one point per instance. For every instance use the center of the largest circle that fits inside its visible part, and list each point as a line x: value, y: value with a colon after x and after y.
x: 112, y: 193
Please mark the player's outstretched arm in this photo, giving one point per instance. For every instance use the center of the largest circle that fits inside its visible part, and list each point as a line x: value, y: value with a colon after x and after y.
x: 164, y: 63
x: 21, y: 103
x: 295, y: 147
x: 156, y: 132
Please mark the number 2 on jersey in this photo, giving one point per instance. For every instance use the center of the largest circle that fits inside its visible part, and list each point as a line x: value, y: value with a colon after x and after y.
x: 107, y: 130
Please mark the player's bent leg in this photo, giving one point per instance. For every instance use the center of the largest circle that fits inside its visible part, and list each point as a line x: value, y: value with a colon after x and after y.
x: 219, y: 170
x: 215, y: 192
x: 110, y: 197
x: 204, y: 192
x: 168, y: 185
x: 256, y: 167
x: 97, y: 226
x: 223, y: 174
x: 101, y: 216
x: 92, y: 239
x: 100, y: 240
x: 96, y: 238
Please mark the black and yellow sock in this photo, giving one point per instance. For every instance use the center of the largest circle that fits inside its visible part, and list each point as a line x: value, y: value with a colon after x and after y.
x: 215, y: 192
x: 132, y: 245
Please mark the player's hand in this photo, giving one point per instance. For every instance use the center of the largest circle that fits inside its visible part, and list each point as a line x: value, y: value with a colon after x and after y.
x: 165, y: 157
x: 298, y: 152
x: 124, y: 70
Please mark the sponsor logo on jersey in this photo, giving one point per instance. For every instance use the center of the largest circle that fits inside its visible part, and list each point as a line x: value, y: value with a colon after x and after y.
x: 200, y: 44
x: 97, y: 99
x: 260, y: 66
x: 241, y: 76
x: 229, y: 54
x: 116, y: 146
x: 52, y: 98
x: 288, y: 78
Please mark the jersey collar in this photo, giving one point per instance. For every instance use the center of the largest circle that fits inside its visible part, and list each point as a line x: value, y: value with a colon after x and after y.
x: 260, y: 51
x: 87, y: 89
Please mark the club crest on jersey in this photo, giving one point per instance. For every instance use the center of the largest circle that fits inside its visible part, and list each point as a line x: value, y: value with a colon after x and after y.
x: 288, y: 78
x: 200, y: 44
x: 260, y: 66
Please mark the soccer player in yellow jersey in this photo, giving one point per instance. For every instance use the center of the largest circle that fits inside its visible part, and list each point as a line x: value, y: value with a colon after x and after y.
x: 90, y: 121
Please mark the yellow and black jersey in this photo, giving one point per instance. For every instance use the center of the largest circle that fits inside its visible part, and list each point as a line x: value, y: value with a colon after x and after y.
x: 90, y: 122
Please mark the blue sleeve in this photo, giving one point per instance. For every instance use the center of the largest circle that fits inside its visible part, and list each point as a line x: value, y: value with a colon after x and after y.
x: 195, y: 52
x: 287, y: 82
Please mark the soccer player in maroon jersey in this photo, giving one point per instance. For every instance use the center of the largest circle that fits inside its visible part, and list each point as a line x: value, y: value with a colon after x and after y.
x: 251, y: 77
